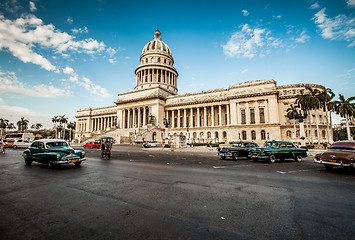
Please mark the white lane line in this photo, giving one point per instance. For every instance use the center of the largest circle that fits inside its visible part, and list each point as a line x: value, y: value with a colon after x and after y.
x: 304, y: 170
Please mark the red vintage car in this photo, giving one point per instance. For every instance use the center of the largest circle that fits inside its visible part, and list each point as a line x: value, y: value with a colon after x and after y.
x: 92, y: 145
x: 341, y: 154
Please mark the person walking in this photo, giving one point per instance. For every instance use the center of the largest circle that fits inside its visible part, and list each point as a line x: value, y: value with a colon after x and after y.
x: 2, y: 148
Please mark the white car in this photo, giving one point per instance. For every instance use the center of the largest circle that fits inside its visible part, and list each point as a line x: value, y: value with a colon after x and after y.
x: 19, y: 143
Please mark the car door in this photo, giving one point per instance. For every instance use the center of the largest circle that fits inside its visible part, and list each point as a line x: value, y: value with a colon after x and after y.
x: 37, y: 151
x: 283, y: 151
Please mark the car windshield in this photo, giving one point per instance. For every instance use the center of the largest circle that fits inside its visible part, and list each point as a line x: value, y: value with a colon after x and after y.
x: 56, y: 144
x: 342, y: 147
x: 271, y: 144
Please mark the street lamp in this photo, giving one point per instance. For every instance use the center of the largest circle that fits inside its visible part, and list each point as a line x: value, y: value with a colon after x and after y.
x: 187, y: 134
x: 300, y: 118
x: 166, y: 124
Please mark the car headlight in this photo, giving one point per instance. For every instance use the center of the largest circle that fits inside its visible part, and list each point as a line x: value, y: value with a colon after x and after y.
x: 58, y: 156
x: 83, y: 154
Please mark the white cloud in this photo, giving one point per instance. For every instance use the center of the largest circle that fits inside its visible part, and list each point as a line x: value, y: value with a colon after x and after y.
x: 86, y: 83
x: 23, y: 36
x: 244, y: 70
x: 245, y: 12
x: 32, y: 6
x: 112, y: 60
x: 249, y: 43
x: 351, y: 3
x: 80, y: 30
x: 302, y: 38
x: 69, y: 20
x: 10, y: 83
x: 315, y: 5
x: 340, y: 27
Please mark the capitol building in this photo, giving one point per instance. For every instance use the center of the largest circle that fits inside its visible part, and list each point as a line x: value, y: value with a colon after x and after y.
x: 250, y: 111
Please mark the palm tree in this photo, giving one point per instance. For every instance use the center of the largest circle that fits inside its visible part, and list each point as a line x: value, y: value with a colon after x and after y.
x: 63, y: 120
x: 314, y: 104
x: 55, y: 120
x: 10, y: 126
x: 22, y: 124
x: 325, y: 97
x: 302, y: 101
x: 292, y: 113
x: 71, y: 126
x: 38, y: 126
x: 346, y: 109
x: 3, y: 125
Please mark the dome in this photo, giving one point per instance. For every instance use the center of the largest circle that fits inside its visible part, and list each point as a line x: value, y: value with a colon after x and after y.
x: 156, y: 45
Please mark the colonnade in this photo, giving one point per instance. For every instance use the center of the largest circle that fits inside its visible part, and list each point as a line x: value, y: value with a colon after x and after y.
x: 215, y: 115
x: 94, y: 124
x: 156, y: 75
x: 135, y: 117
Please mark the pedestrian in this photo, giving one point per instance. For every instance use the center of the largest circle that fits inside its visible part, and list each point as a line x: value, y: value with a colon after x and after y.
x: 2, y: 149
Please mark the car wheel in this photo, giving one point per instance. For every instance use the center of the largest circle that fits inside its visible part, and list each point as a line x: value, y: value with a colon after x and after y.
x: 298, y: 158
x: 223, y: 157
x: 14, y: 146
x: 84, y: 146
x: 90, y: 147
x: 272, y: 158
x: 328, y: 167
x: 77, y: 164
x: 28, y: 162
x: 235, y: 156
x: 49, y: 164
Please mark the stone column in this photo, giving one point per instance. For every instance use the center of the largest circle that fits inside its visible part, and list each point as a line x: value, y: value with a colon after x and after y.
x: 134, y: 118
x: 128, y: 118
x: 266, y: 112
x: 198, y: 117
x: 228, y: 117
x: 184, y: 120
x: 179, y: 123
x: 212, y: 115
x: 205, y: 116
x: 219, y: 115
x: 139, y: 117
x: 172, y: 119
x: 257, y: 113
x: 192, y: 117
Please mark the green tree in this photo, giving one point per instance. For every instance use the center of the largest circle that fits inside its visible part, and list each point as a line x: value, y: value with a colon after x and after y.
x: 302, y: 101
x: 346, y: 109
x: 3, y: 125
x: 55, y: 120
x: 63, y: 120
x: 10, y: 126
x: 71, y: 126
x: 22, y: 124
x: 326, y: 95
x: 292, y: 114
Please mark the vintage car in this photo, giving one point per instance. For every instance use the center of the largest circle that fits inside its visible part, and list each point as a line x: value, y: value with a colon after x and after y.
x: 92, y: 145
x: 21, y: 143
x: 52, y: 152
x: 273, y: 150
x: 237, y: 150
x: 341, y: 154
x: 149, y: 144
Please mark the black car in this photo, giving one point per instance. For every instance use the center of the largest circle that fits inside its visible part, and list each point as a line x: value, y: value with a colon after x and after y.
x: 237, y: 150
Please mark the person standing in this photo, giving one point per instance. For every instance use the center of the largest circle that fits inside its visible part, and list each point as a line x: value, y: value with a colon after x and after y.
x: 2, y: 149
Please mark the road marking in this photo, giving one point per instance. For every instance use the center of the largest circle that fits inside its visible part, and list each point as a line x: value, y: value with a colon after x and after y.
x: 172, y: 163
x: 304, y: 170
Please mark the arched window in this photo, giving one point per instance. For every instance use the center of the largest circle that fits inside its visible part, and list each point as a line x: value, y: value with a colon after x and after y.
x: 216, y: 135
x: 323, y: 134
x: 244, y: 135
x: 315, y: 133
x: 253, y: 135
x: 263, y: 135
x: 194, y: 135
x: 158, y: 59
x: 154, y: 136
x: 165, y: 61
x: 201, y: 134
x: 224, y: 134
x: 146, y: 60
x: 208, y: 134
x: 288, y: 133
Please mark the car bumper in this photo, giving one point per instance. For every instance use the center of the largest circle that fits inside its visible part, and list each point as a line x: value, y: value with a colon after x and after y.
x: 255, y: 156
x: 68, y: 161
x: 224, y: 154
x: 352, y: 165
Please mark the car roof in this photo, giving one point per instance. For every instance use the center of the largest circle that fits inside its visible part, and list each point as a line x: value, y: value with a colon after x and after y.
x: 50, y: 140
x: 344, y: 143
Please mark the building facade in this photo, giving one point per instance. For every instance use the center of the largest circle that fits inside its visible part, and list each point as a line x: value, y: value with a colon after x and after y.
x: 253, y: 111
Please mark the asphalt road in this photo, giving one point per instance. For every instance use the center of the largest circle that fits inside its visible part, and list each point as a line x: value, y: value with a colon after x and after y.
x: 140, y: 194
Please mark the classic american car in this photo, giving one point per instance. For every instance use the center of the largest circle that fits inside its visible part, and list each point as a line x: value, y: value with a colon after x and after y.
x: 341, y: 154
x: 52, y: 152
x: 273, y: 150
x: 237, y: 150
x: 92, y: 145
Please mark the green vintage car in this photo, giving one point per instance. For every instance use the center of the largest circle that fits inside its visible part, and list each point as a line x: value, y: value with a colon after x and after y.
x: 273, y: 150
x: 52, y: 152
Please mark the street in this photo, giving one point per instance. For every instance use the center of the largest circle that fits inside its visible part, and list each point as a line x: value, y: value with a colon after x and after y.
x: 150, y: 194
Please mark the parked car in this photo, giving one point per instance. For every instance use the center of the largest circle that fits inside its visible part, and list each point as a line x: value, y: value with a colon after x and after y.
x: 52, y: 152
x: 273, y: 150
x: 19, y: 143
x: 148, y: 144
x: 237, y: 150
x: 92, y: 145
x: 341, y: 154
x: 9, y: 141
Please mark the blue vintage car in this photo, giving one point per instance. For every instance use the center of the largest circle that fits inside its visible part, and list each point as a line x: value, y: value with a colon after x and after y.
x: 52, y: 152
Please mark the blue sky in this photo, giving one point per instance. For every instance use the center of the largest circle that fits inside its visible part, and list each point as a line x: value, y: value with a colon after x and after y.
x: 59, y: 56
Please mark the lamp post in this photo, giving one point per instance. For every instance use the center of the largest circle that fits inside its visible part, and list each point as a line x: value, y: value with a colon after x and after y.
x: 300, y: 118
x: 187, y: 134
x: 166, y: 124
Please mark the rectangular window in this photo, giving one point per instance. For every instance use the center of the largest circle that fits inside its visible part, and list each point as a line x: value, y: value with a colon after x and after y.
x: 252, y: 116
x: 244, y: 120
x: 262, y: 115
